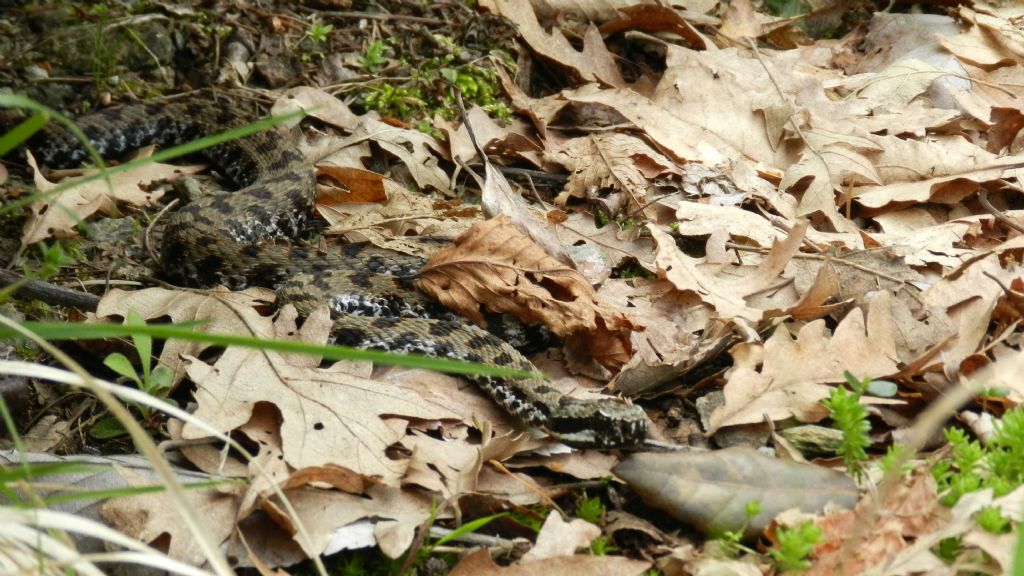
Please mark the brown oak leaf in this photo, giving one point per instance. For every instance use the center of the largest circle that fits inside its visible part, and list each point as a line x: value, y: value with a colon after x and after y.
x: 496, y: 266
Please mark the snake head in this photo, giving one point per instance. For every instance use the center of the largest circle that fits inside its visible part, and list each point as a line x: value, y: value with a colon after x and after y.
x: 599, y: 424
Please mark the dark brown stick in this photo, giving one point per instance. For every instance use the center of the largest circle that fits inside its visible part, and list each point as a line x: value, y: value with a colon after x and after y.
x: 49, y: 293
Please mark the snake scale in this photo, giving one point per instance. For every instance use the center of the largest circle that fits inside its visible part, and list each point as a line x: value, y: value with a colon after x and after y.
x: 246, y: 237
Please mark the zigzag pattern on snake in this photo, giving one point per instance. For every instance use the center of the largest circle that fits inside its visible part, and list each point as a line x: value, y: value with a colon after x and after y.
x: 243, y: 238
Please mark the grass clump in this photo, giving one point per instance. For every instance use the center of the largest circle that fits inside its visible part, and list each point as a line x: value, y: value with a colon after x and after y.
x: 998, y: 465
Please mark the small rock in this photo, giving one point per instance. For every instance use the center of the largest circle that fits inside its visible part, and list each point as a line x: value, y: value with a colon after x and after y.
x: 34, y: 73
x: 279, y: 70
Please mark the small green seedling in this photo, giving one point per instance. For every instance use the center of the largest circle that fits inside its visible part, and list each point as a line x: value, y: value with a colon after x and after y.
x: 850, y: 418
x: 155, y: 381
x: 375, y: 57
x: 317, y: 32
x: 795, y: 545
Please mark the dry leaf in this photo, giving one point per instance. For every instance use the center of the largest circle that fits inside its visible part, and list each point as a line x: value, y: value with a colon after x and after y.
x: 595, y: 62
x: 217, y: 309
x: 710, y: 490
x: 793, y: 372
x: 327, y: 415
x: 152, y: 517
x: 58, y: 215
x: 496, y: 266
x: 559, y: 538
x: 910, y: 512
x: 608, y: 161
x: 357, y: 186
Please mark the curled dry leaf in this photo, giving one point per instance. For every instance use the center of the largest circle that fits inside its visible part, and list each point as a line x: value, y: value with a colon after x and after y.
x: 595, y: 62
x: 710, y: 490
x: 496, y: 266
x: 615, y: 161
x: 560, y: 538
x: 57, y: 216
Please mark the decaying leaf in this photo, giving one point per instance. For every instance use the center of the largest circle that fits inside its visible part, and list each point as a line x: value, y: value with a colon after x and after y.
x: 217, y: 309
x: 794, y: 372
x: 496, y: 266
x: 911, y: 512
x: 152, y: 517
x: 58, y: 215
x: 616, y: 161
x: 560, y: 538
x: 710, y: 490
x: 325, y: 413
x: 595, y: 62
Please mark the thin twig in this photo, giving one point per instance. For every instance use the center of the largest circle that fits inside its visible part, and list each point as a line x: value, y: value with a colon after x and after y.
x: 149, y: 229
x: 997, y: 213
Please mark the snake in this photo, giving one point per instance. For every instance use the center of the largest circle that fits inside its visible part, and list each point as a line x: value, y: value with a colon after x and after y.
x: 252, y: 236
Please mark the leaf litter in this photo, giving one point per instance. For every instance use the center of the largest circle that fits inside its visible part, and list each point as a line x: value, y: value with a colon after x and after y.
x: 840, y: 222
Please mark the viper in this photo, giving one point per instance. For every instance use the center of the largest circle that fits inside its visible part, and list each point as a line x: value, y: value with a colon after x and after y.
x: 250, y: 236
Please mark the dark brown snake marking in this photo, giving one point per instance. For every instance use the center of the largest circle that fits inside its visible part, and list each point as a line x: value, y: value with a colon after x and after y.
x: 229, y: 238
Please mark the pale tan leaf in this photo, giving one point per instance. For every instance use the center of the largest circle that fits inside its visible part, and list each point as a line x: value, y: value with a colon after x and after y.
x: 498, y: 198
x: 217, y: 310
x: 153, y: 517
x: 740, y: 21
x: 58, y: 215
x: 891, y: 89
x: 413, y: 148
x: 687, y: 273
x: 328, y: 416
x: 595, y: 62
x: 316, y: 103
x: 793, y: 372
x: 393, y: 515
x: 699, y: 219
x: 512, y: 138
x: 829, y: 170
x: 608, y: 161
x: 445, y: 467
x: 558, y: 538
x: 941, y: 170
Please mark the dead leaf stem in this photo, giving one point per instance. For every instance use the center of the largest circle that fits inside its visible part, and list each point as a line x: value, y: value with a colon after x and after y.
x: 146, y: 237
x: 531, y: 486
x: 997, y: 213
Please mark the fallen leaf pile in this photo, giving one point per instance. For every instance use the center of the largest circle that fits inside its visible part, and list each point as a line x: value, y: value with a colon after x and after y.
x: 739, y: 226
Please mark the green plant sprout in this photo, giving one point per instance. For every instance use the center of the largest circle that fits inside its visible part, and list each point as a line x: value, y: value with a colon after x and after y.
x: 317, y: 32
x: 592, y: 510
x: 850, y: 418
x: 730, y: 541
x: 998, y: 465
x: 794, y: 545
x: 155, y: 381
x: 375, y: 57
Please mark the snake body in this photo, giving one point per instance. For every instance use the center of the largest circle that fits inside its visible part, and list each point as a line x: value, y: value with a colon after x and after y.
x: 244, y: 238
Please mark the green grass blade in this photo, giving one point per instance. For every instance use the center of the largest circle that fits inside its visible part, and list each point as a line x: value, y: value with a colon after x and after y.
x: 72, y: 331
x: 467, y: 528
x: 22, y: 132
